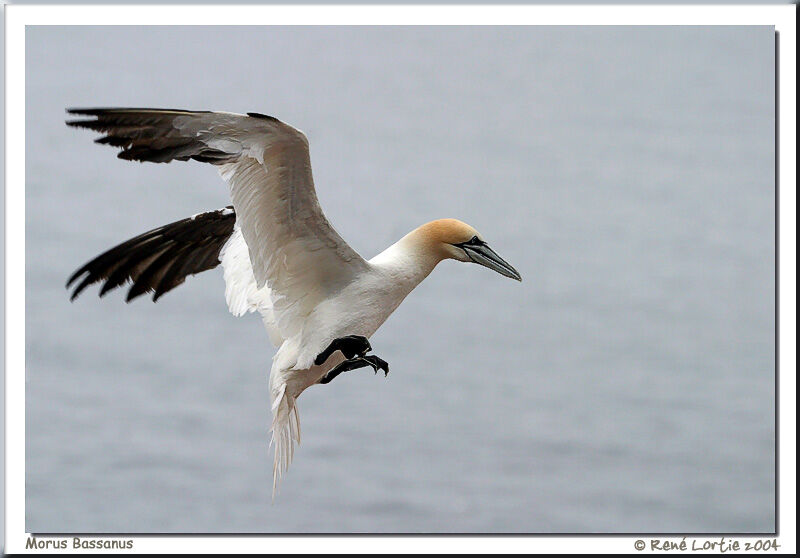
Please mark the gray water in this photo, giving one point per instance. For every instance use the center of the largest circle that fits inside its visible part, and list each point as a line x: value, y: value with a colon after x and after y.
x: 626, y: 385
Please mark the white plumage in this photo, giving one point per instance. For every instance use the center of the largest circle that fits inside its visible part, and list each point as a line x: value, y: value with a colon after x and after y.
x: 281, y: 257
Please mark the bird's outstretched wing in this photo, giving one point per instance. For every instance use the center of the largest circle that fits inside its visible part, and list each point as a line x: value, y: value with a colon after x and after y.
x: 293, y: 248
x: 160, y: 259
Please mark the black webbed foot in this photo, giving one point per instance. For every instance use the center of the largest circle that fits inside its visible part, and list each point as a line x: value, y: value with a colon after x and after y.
x: 345, y: 366
x: 353, y: 364
x: 377, y: 363
x: 350, y: 345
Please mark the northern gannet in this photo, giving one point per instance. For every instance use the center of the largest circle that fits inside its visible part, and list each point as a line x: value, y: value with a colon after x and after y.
x: 319, y: 300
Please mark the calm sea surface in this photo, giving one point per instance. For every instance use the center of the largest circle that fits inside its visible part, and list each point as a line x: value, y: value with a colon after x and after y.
x: 626, y: 385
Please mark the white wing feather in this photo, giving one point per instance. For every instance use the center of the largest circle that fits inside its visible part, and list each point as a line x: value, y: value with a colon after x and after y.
x: 241, y: 292
x: 293, y: 248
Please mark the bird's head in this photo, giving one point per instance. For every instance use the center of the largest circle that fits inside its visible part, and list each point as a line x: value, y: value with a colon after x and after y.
x: 456, y: 240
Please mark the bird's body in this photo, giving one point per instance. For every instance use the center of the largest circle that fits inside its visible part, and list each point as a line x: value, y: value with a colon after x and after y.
x: 319, y: 300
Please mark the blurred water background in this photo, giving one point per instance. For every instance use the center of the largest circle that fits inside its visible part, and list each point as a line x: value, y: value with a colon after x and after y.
x: 626, y: 385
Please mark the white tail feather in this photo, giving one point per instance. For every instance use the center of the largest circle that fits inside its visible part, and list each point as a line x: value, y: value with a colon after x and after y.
x: 285, y: 432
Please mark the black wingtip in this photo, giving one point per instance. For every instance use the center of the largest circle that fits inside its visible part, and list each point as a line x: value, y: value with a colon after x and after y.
x: 88, y: 280
x: 71, y: 279
x: 87, y: 111
x: 108, y: 286
x: 158, y: 294
x: 76, y: 292
x: 158, y: 260
x: 263, y: 116
x: 133, y: 295
x: 74, y: 277
x: 88, y: 123
x: 94, y: 111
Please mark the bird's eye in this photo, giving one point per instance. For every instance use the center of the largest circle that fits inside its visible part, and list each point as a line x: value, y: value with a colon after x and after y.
x: 474, y: 241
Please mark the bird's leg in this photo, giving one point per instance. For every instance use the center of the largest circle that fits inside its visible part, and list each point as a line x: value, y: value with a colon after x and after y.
x: 350, y: 345
x: 355, y: 363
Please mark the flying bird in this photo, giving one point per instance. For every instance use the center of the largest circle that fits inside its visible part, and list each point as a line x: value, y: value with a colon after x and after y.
x: 320, y: 301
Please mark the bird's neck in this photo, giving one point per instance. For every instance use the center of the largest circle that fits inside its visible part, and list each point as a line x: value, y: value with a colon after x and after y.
x: 409, y: 260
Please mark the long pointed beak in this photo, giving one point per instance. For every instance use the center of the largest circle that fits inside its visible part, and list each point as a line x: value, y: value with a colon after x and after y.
x: 488, y: 258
